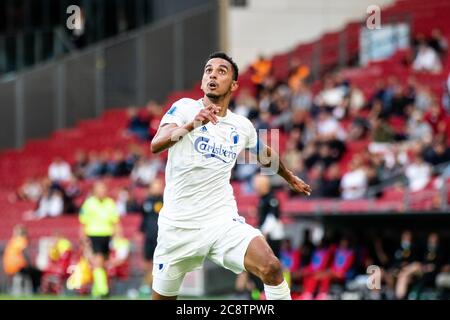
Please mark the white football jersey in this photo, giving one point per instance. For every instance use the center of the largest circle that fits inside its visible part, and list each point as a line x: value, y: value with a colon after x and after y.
x: 198, y: 170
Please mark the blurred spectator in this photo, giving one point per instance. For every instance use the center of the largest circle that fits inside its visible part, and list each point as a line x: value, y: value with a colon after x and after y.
x: 298, y: 73
x: 328, y: 128
x: 118, y: 264
x: 245, y: 170
x: 80, y: 277
x: 339, y: 271
x: 59, y: 170
x: 145, y: 171
x: 355, y: 100
x: 358, y: 129
x: 438, y: 42
x: 289, y: 256
x: 381, y: 131
x: 332, y: 94
x: 320, y: 260
x: 56, y: 271
x: 418, y: 128
x: 154, y: 114
x: 126, y: 202
x: 423, y: 98
x: 427, y: 59
x: 330, y: 182
x: 436, y: 118
x: 117, y: 166
x: 30, y: 190
x: 354, y: 182
x: 96, y: 166
x: 418, y: 173
x: 306, y: 248
x: 261, y: 69
x: 443, y: 279
x: 81, y: 164
x: 17, y: 260
x: 263, y: 122
x: 51, y: 204
x: 406, y: 253
x: 399, y: 102
x: 135, y: 152
x: 283, y: 119
x: 437, y: 153
x: 149, y: 228
x: 301, y: 99
x: 137, y: 125
x: 70, y: 193
x: 293, y: 158
x: 269, y: 213
x: 246, y: 104
x: 424, y: 271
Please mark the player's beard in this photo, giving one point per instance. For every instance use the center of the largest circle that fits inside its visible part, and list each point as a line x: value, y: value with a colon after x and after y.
x: 214, y: 97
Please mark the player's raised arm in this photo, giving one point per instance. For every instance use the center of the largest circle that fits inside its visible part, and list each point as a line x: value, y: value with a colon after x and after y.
x: 170, y: 133
x: 267, y: 156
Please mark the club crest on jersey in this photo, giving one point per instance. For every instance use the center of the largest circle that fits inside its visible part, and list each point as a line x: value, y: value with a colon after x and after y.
x: 203, y: 129
x: 234, y: 137
x: 212, y: 150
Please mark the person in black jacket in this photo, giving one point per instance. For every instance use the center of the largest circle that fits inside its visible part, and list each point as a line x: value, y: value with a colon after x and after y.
x: 269, y: 214
x: 425, y: 270
x: 149, y: 228
x: 404, y: 255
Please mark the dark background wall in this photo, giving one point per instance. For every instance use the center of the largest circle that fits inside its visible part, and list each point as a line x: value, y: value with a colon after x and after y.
x: 131, y: 69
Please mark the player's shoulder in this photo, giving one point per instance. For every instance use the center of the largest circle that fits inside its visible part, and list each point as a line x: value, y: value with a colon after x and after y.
x: 243, y: 121
x: 184, y: 106
x: 186, y: 103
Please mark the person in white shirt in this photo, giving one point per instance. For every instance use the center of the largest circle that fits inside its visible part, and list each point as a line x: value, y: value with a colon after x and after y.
x: 418, y: 173
x: 354, y: 183
x: 145, y: 171
x: 59, y: 170
x: 427, y: 60
x: 328, y: 127
x: 51, y: 204
x: 199, y: 218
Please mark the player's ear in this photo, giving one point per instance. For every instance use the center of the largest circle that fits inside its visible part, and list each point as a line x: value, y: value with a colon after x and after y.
x: 234, y: 86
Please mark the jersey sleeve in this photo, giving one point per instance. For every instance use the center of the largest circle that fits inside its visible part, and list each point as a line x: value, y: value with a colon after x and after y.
x: 252, y: 140
x: 177, y: 114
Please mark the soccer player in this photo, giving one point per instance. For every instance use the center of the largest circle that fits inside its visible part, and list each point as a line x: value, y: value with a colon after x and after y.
x: 199, y: 218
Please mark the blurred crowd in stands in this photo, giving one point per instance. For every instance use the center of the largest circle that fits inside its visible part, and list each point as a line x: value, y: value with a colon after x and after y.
x: 60, y: 191
x: 402, y: 126
x: 406, y: 125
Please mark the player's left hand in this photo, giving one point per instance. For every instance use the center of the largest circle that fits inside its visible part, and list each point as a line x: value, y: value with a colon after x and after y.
x: 300, y: 186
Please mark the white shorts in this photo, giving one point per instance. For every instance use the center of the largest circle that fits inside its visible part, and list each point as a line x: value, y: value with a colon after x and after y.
x: 180, y: 251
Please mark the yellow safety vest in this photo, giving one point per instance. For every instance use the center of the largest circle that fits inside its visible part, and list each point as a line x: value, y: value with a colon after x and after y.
x: 99, y: 217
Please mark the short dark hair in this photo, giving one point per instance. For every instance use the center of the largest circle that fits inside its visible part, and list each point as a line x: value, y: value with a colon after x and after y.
x: 224, y: 56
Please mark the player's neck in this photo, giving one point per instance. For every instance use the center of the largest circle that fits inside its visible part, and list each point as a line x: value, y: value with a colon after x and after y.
x: 222, y: 103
